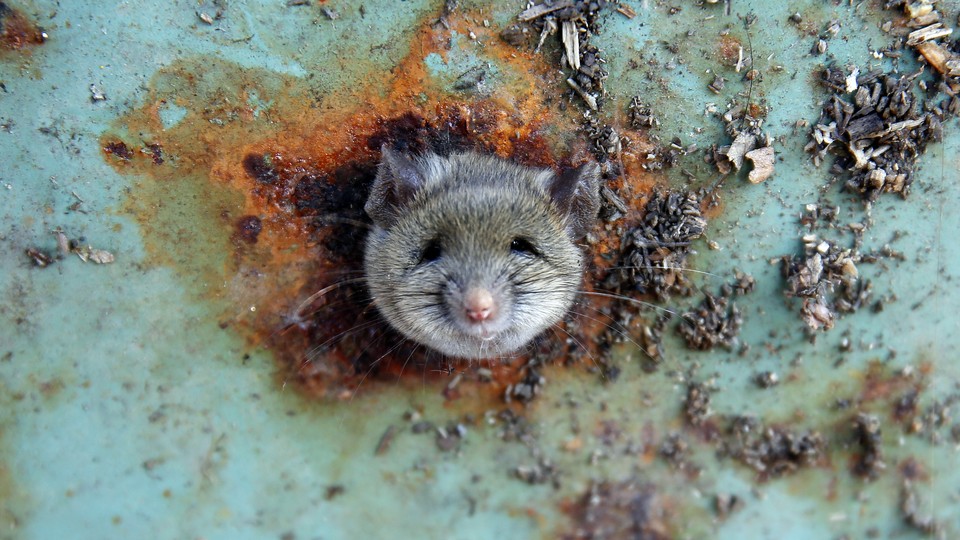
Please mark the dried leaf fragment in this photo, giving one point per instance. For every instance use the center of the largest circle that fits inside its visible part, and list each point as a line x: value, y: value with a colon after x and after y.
x: 762, y: 159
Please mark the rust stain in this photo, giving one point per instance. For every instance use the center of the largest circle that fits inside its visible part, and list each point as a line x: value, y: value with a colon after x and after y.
x: 729, y: 50
x: 17, y: 31
x: 882, y: 383
x: 261, y: 209
x: 628, y: 509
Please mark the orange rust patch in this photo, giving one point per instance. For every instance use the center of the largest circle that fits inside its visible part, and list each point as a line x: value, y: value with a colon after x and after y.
x: 729, y: 50
x: 756, y: 110
x: 261, y: 207
x: 17, y: 31
x: 880, y: 383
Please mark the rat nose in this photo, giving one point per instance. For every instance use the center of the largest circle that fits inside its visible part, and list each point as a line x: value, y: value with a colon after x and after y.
x: 479, y: 305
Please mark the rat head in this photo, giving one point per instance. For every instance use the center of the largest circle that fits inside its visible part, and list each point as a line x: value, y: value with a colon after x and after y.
x: 472, y: 255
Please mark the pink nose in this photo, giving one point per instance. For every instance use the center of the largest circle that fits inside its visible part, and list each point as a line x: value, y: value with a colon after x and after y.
x: 479, y: 305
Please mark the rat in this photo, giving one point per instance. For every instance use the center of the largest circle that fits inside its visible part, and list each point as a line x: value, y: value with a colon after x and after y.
x: 472, y: 255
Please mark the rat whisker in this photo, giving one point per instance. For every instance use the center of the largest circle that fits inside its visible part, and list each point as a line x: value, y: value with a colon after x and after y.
x: 622, y: 333
x: 317, y: 349
x: 629, y: 300
x: 626, y: 334
x: 368, y: 372
x: 673, y: 268
x: 319, y: 294
x: 333, y: 219
x: 585, y: 350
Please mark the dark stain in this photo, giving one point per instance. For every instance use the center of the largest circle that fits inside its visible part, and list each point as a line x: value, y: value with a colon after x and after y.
x: 248, y: 229
x: 913, y: 470
x: 260, y: 167
x: 613, y: 511
x: 50, y: 389
x: 118, y: 149
x: 156, y: 152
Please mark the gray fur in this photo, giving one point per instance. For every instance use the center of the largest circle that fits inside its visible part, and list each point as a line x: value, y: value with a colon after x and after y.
x: 475, y: 205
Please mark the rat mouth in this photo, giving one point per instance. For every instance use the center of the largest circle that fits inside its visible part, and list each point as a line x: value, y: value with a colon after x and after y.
x: 488, y: 331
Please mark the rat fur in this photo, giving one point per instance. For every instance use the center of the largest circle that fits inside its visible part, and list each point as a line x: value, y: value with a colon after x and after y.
x: 471, y: 255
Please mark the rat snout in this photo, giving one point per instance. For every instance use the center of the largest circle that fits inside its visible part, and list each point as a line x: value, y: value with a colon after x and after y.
x: 479, y: 305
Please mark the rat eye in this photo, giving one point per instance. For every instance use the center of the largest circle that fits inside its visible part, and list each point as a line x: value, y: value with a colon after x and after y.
x: 523, y: 247
x: 432, y: 252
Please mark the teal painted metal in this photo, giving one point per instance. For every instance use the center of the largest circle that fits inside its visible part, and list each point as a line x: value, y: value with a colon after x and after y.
x: 128, y: 413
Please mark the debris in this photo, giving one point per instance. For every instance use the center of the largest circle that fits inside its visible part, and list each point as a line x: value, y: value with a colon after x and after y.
x: 589, y: 99
x: 762, y: 159
x: 941, y: 59
x: 745, y: 124
x: 448, y: 439
x: 878, y: 131
x: 334, y: 491
x: 743, y: 143
x: 674, y: 449
x: 815, y: 276
x: 911, y: 513
x: 98, y: 256
x: 767, y: 379
x: 575, y: 19
x: 571, y: 41
x: 867, y: 432
x: 725, y: 504
x: 205, y: 17
x: 773, y: 451
x: 119, y: 149
x: 96, y: 94
x: 39, y: 258
x: 714, y: 322
x: 541, y: 472
x: 627, y: 509
x: 330, y: 14
x: 473, y: 80
x: 927, y: 34
x: 386, y: 440
x: 527, y: 388
x: 539, y: 10
x: 696, y: 407
x: 606, y: 140
x: 514, y: 35
x: 641, y: 115
x: 653, y: 255
x: 612, y: 207
x: 744, y: 284
x: 626, y: 11
x: 717, y: 85
x: 63, y: 244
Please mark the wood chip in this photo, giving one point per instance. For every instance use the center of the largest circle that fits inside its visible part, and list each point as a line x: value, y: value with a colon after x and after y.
x: 928, y: 33
x: 591, y: 101
x: 626, y: 11
x: 94, y: 255
x: 539, y: 10
x: 762, y: 159
x: 743, y: 143
x: 937, y: 56
x: 571, y: 43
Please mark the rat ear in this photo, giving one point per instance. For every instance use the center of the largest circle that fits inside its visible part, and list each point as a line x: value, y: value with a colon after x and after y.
x: 576, y: 193
x: 398, y: 180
